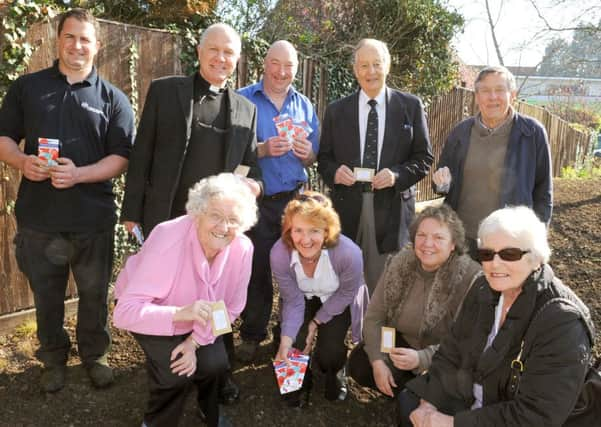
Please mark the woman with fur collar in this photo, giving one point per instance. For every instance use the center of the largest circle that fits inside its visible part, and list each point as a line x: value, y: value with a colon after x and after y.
x: 418, y: 295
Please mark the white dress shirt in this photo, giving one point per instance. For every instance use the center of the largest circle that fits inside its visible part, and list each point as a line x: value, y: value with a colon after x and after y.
x: 324, y: 281
x: 364, y: 109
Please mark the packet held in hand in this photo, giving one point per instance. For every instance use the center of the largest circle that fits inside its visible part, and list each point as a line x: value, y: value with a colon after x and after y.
x: 48, y: 150
x: 289, y: 129
x: 290, y: 376
x: 284, y: 125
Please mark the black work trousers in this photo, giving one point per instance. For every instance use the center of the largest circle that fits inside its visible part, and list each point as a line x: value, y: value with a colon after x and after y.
x: 168, y: 391
x: 330, y: 350
x: 46, y: 258
x: 264, y: 234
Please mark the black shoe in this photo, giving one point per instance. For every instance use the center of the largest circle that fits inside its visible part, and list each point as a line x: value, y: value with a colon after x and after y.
x: 223, y: 420
x: 229, y: 391
x: 100, y: 374
x: 53, y: 378
x: 336, y: 385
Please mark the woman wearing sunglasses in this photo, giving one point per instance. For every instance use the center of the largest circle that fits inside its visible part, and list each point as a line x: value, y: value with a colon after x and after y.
x: 513, y: 357
x: 417, y: 298
x: 322, y: 290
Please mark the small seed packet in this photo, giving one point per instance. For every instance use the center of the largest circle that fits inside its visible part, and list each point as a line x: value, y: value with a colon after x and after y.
x: 220, y: 321
x: 290, y: 376
x: 364, y: 174
x: 388, y: 338
x: 285, y: 126
x: 48, y: 150
x: 301, y: 130
x: 242, y: 170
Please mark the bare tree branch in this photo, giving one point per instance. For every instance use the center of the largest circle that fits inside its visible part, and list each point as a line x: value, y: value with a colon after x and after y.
x: 493, y: 33
x: 559, y: 29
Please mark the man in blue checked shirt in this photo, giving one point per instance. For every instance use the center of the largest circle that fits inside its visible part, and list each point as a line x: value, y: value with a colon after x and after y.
x: 288, y: 141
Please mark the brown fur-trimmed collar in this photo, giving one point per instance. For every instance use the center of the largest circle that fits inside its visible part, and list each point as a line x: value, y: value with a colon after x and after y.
x: 402, y: 270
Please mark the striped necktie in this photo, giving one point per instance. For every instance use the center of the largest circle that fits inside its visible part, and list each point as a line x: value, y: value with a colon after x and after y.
x: 370, y: 152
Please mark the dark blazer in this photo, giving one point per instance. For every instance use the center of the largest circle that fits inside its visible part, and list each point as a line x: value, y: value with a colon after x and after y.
x: 406, y: 151
x: 159, y: 151
x: 527, y: 176
x: 556, y: 356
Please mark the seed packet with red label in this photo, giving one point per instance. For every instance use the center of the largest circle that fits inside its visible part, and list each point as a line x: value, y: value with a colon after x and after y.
x: 285, y: 128
x: 290, y: 376
x: 48, y: 150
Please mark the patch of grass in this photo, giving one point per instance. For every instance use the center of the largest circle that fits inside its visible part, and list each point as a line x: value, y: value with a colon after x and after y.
x: 3, y: 364
x: 587, y: 171
x: 27, y: 329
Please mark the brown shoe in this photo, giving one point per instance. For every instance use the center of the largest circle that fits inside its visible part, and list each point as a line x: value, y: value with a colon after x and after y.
x: 53, y: 378
x: 101, y: 375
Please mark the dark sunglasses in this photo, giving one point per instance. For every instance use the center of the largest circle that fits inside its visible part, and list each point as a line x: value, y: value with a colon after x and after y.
x: 507, y: 254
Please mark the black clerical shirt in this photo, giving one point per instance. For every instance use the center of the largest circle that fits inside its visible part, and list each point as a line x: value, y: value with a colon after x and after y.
x: 205, y: 154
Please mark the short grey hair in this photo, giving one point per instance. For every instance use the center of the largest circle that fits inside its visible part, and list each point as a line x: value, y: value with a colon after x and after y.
x: 522, y: 224
x: 221, y: 27
x: 380, y: 45
x: 223, y: 186
x: 497, y: 69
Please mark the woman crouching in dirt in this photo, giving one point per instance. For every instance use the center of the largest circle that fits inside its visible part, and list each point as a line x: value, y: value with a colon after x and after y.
x: 322, y: 290
x: 415, y: 302
x: 183, y: 290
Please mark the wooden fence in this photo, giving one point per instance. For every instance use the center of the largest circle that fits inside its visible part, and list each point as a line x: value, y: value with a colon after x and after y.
x: 158, y: 55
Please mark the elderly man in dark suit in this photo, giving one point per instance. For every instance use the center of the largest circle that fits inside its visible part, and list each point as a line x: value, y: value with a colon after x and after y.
x: 374, y: 147
x: 191, y: 127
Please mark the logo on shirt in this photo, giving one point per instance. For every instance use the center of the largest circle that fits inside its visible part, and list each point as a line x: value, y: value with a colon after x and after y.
x: 86, y: 106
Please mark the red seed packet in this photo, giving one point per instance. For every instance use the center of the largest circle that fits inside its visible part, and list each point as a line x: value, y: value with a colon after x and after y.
x: 289, y: 129
x: 290, y: 377
x: 48, y: 150
x: 285, y: 128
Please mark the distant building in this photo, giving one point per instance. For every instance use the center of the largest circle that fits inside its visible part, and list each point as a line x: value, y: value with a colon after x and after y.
x: 542, y: 89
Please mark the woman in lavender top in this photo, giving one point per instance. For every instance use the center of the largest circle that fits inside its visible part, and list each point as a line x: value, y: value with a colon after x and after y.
x: 322, y: 290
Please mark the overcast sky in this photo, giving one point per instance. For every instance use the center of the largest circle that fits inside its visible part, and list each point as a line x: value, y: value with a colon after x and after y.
x: 519, y: 29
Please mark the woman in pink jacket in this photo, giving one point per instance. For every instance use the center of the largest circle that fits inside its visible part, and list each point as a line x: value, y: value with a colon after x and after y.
x: 167, y: 294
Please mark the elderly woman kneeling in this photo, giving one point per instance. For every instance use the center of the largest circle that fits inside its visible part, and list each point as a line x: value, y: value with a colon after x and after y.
x: 505, y: 363
x: 167, y: 294
x: 322, y: 290
x: 417, y: 297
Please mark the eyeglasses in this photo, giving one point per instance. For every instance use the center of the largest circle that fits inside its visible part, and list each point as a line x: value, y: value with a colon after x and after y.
x: 507, y: 254
x: 313, y: 197
x: 215, y: 219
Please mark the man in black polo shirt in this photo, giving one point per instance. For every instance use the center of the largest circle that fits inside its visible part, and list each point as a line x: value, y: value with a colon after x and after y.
x: 65, y: 209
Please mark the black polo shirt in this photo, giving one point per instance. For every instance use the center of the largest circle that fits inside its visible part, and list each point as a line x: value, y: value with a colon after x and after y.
x: 92, y: 119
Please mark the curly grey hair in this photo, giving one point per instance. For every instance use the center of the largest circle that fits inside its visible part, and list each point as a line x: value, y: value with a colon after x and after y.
x: 223, y: 186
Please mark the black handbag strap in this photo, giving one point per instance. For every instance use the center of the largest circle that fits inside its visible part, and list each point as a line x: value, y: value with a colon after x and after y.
x: 517, y: 364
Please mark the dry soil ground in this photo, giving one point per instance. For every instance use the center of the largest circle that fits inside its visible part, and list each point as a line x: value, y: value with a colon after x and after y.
x: 575, y: 237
